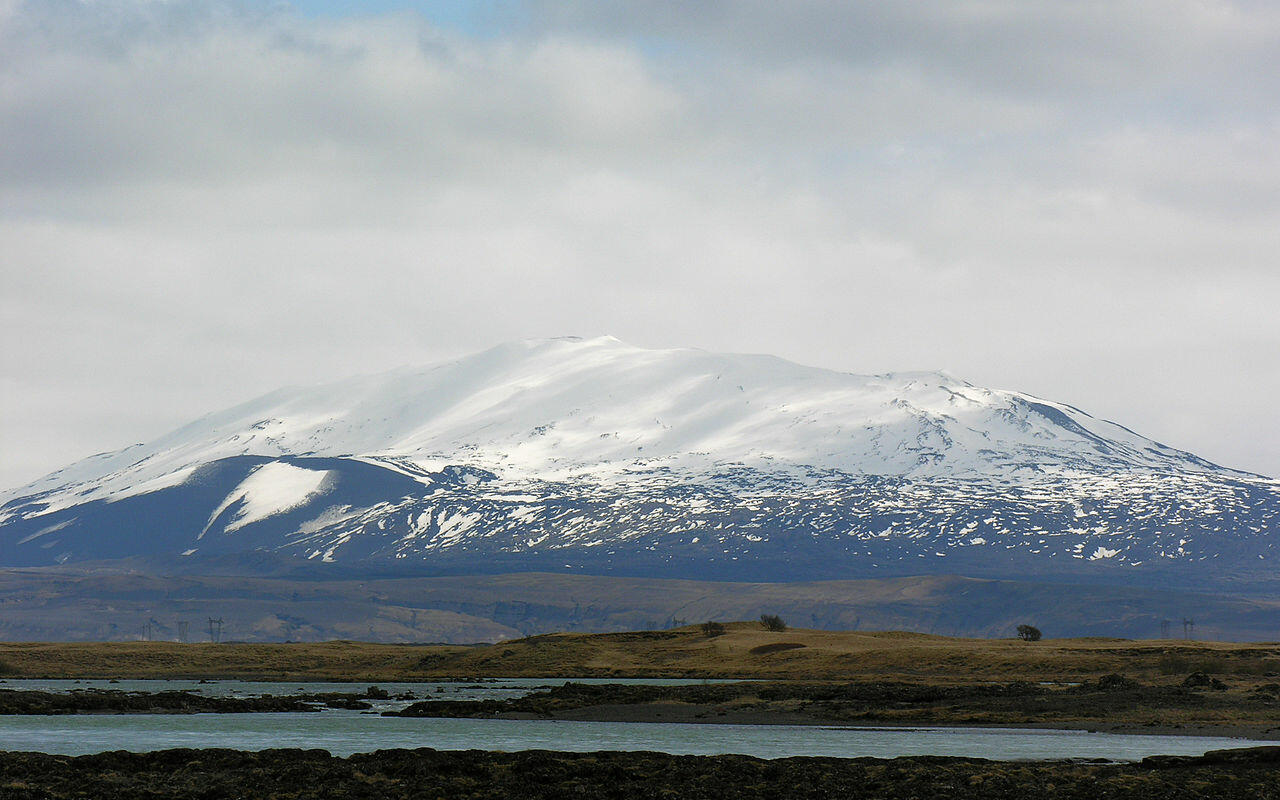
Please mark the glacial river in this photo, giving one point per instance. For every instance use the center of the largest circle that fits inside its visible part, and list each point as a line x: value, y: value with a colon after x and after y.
x: 345, y: 732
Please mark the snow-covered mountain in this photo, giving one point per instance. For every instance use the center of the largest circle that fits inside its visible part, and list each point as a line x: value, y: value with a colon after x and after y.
x: 594, y: 455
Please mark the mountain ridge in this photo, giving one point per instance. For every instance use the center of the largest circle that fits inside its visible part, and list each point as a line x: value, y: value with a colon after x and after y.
x: 595, y: 457
x: 334, y: 410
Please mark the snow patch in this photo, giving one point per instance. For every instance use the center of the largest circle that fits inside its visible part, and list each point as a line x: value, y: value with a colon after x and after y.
x: 50, y: 529
x: 271, y: 489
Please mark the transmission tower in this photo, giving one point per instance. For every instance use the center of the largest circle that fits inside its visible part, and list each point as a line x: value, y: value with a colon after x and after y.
x: 215, y: 629
x: 182, y: 630
x: 1188, y: 628
x: 1164, y: 629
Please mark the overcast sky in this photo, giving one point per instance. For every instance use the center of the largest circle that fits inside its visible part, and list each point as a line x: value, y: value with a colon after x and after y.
x: 201, y: 202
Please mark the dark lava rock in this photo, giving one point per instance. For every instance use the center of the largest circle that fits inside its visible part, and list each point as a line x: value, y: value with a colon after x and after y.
x: 1199, y: 680
x: 114, y: 701
x: 1116, y: 683
x: 1013, y: 702
x: 1252, y: 774
x: 1267, y: 755
x: 81, y: 701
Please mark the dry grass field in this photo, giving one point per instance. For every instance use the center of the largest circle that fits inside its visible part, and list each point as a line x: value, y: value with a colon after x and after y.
x: 745, y: 650
x: 354, y: 661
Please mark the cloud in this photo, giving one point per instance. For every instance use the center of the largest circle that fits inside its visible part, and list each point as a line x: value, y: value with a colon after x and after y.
x: 1036, y: 47
x: 203, y: 201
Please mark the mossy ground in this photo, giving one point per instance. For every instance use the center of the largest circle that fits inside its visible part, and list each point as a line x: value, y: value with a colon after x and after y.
x: 1111, y: 702
x: 478, y: 775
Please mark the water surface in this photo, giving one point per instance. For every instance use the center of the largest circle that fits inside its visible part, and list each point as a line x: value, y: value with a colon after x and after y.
x: 343, y: 732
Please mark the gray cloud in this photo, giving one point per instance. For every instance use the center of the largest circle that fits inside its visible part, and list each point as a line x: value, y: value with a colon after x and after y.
x: 200, y: 202
x: 1102, y: 48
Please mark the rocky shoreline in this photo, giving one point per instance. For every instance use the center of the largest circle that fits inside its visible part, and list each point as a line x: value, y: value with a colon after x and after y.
x: 1112, y: 703
x: 110, y: 701
x: 1249, y: 774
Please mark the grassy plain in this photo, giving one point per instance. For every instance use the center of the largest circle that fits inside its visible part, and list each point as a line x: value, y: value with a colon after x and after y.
x: 745, y: 650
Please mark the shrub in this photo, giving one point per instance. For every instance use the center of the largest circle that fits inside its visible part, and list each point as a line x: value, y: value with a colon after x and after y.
x: 1028, y: 633
x: 712, y: 629
x: 1116, y: 682
x: 772, y: 622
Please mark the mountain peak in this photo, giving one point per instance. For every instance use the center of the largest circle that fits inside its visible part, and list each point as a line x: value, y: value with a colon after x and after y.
x: 552, y: 407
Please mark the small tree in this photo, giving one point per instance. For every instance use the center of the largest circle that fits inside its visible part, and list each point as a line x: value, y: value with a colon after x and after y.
x: 712, y: 629
x: 772, y: 622
x: 1028, y: 633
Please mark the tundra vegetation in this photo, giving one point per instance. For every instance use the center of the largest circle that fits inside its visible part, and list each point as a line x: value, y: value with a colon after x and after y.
x: 744, y: 650
x: 1110, y: 702
x: 1246, y: 774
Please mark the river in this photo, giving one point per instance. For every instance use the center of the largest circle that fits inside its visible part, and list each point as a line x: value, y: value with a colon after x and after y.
x: 343, y: 732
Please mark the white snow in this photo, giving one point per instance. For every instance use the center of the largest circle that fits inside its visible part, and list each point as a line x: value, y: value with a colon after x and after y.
x: 45, y: 530
x: 271, y: 489
x: 555, y: 408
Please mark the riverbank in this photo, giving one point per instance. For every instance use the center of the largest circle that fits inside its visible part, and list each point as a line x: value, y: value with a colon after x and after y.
x: 677, y: 713
x: 660, y: 712
x: 1251, y: 774
x: 108, y: 701
x: 1196, y: 706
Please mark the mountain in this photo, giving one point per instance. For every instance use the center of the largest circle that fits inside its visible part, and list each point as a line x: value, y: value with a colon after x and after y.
x: 595, y: 457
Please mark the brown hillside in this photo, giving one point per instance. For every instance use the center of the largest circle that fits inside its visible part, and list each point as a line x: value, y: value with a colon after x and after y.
x: 745, y: 650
